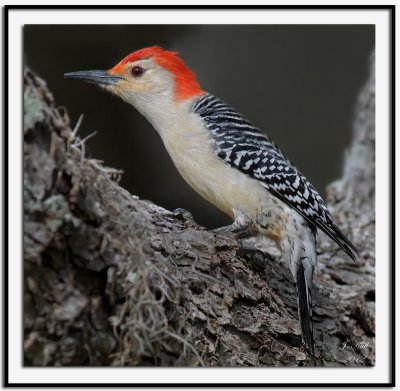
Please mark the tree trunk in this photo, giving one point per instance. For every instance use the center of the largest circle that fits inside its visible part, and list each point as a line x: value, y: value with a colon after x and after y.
x: 110, y: 279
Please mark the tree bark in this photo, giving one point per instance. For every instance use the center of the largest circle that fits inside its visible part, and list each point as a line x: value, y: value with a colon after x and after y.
x: 113, y: 280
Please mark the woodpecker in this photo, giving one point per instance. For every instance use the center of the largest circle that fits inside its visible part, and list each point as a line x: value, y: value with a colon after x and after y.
x: 228, y: 161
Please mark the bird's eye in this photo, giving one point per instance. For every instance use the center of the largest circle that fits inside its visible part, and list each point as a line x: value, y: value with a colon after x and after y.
x: 137, y: 71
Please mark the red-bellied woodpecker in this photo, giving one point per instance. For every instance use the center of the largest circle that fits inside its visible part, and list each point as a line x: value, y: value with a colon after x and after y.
x: 227, y: 160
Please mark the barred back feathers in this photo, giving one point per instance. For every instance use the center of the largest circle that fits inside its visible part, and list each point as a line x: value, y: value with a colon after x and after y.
x: 243, y: 146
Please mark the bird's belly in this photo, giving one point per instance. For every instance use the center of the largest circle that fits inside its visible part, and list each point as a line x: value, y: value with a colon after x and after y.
x: 230, y: 190
x: 222, y: 185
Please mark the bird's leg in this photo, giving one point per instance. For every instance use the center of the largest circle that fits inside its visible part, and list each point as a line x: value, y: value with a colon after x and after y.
x: 240, y: 227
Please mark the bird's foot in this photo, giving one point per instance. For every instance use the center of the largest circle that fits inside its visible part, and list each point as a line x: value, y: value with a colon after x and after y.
x: 183, y: 213
x: 239, y: 230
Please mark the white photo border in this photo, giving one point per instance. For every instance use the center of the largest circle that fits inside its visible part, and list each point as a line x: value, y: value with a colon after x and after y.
x: 15, y: 17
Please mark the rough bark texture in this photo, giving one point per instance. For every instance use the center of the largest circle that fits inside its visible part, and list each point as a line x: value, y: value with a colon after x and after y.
x: 110, y: 279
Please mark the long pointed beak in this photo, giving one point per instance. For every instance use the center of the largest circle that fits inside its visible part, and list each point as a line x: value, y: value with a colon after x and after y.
x: 96, y: 77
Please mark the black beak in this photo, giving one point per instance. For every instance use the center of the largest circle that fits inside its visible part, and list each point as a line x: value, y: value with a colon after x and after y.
x: 96, y: 77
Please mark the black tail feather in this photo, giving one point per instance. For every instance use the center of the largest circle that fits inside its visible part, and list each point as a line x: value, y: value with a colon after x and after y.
x: 305, y: 307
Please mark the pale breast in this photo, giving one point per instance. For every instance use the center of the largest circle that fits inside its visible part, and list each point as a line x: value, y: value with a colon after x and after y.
x: 225, y: 187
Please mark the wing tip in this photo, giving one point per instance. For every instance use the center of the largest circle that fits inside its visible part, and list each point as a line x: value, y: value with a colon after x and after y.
x: 348, y: 247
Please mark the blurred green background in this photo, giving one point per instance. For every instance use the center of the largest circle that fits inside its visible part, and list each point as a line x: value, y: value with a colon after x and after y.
x: 298, y: 83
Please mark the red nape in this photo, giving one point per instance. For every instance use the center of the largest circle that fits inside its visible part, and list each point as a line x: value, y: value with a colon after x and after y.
x: 186, y: 82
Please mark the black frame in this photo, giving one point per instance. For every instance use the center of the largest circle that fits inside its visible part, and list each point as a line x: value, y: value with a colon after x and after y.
x: 392, y: 10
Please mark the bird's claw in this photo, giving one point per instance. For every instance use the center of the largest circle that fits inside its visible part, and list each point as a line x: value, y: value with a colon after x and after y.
x: 183, y: 213
x: 240, y: 231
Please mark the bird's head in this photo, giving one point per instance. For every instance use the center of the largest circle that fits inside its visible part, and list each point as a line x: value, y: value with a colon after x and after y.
x: 146, y: 76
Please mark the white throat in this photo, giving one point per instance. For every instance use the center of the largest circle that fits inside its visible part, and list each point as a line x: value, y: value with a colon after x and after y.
x: 168, y: 117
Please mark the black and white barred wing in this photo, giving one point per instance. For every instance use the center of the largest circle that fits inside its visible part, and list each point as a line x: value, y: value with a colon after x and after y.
x: 245, y: 147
